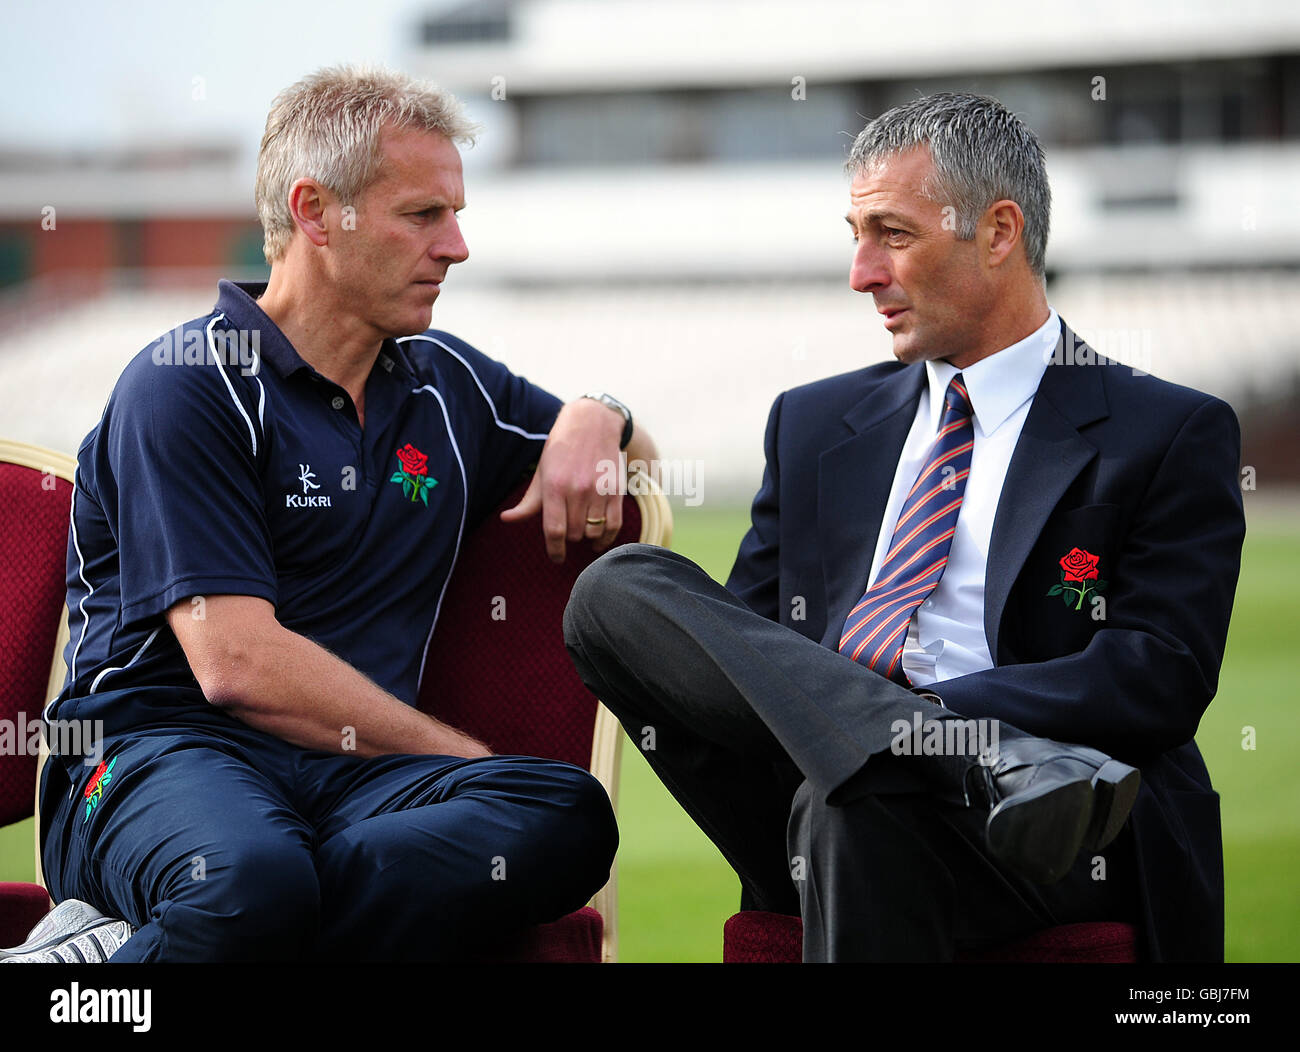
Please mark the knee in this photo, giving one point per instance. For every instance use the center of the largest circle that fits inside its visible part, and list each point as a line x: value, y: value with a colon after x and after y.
x: 599, y: 594
x: 574, y: 835
x: 248, y: 901
x: 583, y: 826
x: 601, y: 835
x: 609, y: 590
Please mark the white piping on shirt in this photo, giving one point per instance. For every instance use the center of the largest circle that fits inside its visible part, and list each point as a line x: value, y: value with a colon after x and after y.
x: 464, y: 508
x: 216, y: 358
x: 479, y: 383
x: 90, y: 590
x: 136, y: 657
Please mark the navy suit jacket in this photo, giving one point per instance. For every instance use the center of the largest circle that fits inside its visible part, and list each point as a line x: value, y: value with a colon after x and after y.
x: 1130, y: 468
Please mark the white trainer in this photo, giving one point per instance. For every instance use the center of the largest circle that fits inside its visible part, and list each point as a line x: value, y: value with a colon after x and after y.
x: 73, y: 932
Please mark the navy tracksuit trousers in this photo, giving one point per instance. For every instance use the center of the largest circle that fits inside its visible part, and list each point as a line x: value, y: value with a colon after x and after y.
x: 219, y: 842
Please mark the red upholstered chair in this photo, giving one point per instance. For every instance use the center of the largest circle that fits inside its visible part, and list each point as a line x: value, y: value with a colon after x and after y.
x: 35, y: 498
x: 497, y: 668
x: 755, y: 937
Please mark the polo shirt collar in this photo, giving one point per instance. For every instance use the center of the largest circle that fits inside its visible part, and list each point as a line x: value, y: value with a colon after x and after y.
x: 238, y: 301
x: 1001, y: 383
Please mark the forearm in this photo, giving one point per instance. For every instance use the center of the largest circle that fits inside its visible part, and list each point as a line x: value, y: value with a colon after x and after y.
x: 302, y: 693
x: 282, y: 683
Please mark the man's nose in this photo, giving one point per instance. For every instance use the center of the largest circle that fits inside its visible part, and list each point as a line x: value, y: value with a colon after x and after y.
x: 451, y: 245
x: 869, y: 270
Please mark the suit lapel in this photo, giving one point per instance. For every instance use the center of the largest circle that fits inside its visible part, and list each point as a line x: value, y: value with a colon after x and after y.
x: 1047, y: 459
x: 853, y: 484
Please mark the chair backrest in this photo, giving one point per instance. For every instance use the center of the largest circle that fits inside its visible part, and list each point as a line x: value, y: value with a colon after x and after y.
x: 497, y: 667
x: 35, y: 498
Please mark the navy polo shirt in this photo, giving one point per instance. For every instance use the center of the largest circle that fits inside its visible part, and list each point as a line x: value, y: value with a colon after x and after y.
x: 225, y: 464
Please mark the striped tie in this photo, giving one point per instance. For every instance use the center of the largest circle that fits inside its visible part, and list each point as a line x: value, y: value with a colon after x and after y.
x: 876, y: 629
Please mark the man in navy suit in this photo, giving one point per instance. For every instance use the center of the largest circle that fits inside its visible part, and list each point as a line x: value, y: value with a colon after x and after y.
x: 1070, y: 580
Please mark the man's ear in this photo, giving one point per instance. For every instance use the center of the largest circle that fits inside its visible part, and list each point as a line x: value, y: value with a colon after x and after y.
x: 1002, y: 229
x: 307, y: 201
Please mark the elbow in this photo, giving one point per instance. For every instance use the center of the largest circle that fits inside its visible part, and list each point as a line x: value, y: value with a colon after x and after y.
x: 227, y: 677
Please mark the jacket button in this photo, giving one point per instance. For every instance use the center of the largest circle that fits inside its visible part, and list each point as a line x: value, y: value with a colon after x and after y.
x: 337, y: 402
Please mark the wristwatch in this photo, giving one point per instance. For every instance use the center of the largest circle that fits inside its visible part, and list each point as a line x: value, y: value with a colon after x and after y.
x: 613, y: 403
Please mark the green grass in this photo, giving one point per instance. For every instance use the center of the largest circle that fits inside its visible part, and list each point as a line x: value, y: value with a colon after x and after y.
x: 676, y: 891
x: 1260, y: 787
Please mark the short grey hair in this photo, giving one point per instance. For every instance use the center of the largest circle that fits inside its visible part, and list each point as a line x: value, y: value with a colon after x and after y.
x: 982, y: 153
x: 327, y: 127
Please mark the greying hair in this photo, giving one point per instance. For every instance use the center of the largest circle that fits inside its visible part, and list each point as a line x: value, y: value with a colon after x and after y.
x: 327, y: 127
x: 981, y: 152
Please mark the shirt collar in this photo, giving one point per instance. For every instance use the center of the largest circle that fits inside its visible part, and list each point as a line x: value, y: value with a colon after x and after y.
x: 238, y: 301
x: 1001, y: 383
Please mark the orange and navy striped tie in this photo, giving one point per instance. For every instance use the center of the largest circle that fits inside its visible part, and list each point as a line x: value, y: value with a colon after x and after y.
x: 876, y: 629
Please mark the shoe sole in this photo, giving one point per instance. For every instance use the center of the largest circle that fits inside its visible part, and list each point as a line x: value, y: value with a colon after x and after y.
x: 1040, y: 834
x: 1115, y: 789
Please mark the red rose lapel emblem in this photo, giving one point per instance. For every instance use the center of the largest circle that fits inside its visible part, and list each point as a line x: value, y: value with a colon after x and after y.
x: 414, y: 474
x: 1079, y: 578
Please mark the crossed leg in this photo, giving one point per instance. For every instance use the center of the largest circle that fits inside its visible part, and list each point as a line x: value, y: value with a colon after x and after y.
x: 744, y: 719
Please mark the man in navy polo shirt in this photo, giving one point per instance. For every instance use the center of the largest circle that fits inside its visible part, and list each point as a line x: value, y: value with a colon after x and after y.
x: 263, y: 528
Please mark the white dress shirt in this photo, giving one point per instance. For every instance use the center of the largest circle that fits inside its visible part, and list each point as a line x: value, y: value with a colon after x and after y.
x: 945, y: 638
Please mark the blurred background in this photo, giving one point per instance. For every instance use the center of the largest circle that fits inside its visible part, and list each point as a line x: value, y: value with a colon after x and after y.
x: 656, y: 209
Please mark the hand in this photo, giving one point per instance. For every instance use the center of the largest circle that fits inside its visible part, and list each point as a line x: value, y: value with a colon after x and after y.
x: 577, y: 457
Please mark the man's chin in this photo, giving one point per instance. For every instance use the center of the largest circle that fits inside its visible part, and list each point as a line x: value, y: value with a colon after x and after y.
x: 414, y: 324
x: 909, y: 350
x: 906, y: 351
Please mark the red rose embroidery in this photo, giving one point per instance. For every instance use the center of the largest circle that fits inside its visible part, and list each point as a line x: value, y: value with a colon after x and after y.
x: 1080, y: 565
x: 1079, y: 578
x: 96, y: 786
x: 414, y: 477
x: 93, y: 784
x: 415, y: 462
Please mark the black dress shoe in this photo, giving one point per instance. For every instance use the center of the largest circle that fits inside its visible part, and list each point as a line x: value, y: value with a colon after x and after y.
x: 1049, y: 801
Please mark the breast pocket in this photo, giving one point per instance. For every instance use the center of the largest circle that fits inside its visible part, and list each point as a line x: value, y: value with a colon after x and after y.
x: 1060, y: 599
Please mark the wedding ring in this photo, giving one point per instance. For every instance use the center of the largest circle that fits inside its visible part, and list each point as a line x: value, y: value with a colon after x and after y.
x: 596, y: 522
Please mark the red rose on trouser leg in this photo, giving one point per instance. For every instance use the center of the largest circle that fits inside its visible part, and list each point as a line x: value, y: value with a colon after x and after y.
x: 93, y: 784
x: 96, y: 786
x: 1080, y: 565
x: 415, y: 462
